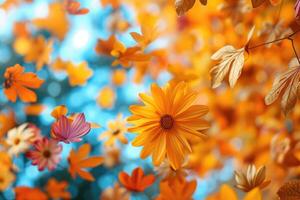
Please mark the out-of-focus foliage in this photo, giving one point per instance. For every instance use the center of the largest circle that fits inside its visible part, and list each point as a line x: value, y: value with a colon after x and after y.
x: 152, y: 99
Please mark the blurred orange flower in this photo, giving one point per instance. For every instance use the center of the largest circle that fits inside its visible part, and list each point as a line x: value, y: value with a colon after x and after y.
x: 34, y: 109
x: 78, y: 160
x: 56, y: 22
x: 126, y: 56
x: 177, y: 189
x: 7, y: 122
x: 79, y: 74
x: 17, y: 83
x: 119, y: 77
x: 57, y: 189
x: 59, y: 111
x: 39, y: 51
x: 6, y: 176
x: 115, y: 4
x: 226, y: 193
x: 106, y: 97
x: 147, y: 36
x: 115, y: 193
x: 73, y: 8
x: 137, y: 182
x: 25, y: 193
x: 104, y: 47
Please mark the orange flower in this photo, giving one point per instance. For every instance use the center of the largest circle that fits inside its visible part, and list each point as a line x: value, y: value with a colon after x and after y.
x: 227, y: 193
x: 106, y: 97
x: 6, y: 176
x: 7, y: 122
x: 34, y: 109
x: 167, y: 122
x: 79, y: 74
x: 73, y: 8
x: 56, y: 22
x: 137, y: 182
x: 57, y: 190
x: 111, y: 156
x: 59, y: 111
x: 177, y: 189
x: 17, y: 83
x: 25, y: 193
x: 119, y: 77
x: 125, y: 56
x: 147, y: 36
x: 78, y: 160
x: 39, y: 51
x: 115, y: 193
x: 104, y: 47
x: 115, y: 4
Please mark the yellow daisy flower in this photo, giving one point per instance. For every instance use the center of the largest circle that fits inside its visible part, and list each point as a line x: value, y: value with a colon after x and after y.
x: 166, y: 122
x: 116, y: 131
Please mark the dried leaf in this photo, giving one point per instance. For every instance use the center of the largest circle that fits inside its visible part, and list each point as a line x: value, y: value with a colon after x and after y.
x: 250, y: 34
x: 231, y: 61
x: 290, y: 190
x: 286, y: 83
x: 182, y: 6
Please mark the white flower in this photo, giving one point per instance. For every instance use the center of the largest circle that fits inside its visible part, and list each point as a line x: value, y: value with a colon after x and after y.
x: 18, y: 139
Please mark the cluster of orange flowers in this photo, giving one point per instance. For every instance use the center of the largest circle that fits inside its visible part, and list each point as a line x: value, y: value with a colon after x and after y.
x: 190, y: 126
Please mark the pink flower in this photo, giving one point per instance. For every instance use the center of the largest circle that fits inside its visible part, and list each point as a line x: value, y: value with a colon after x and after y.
x: 297, y: 9
x: 68, y: 130
x: 46, y: 153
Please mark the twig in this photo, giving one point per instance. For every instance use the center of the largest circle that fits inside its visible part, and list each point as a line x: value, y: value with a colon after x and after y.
x: 277, y: 40
x: 294, y: 49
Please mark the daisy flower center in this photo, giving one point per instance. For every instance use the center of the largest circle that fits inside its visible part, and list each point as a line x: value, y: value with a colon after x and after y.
x: 47, y: 154
x: 166, y: 122
x: 116, y: 132
x: 17, y: 141
x: 8, y: 82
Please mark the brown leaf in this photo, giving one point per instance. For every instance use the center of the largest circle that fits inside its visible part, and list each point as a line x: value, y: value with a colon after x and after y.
x: 231, y: 61
x: 256, y: 3
x: 203, y: 2
x: 290, y: 190
x: 182, y: 6
x: 286, y: 83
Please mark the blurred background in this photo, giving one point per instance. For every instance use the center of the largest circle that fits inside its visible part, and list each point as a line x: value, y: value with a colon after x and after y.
x: 242, y: 126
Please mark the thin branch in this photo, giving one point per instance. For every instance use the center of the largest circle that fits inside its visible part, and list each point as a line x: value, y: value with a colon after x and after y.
x: 273, y: 41
x: 294, y: 49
